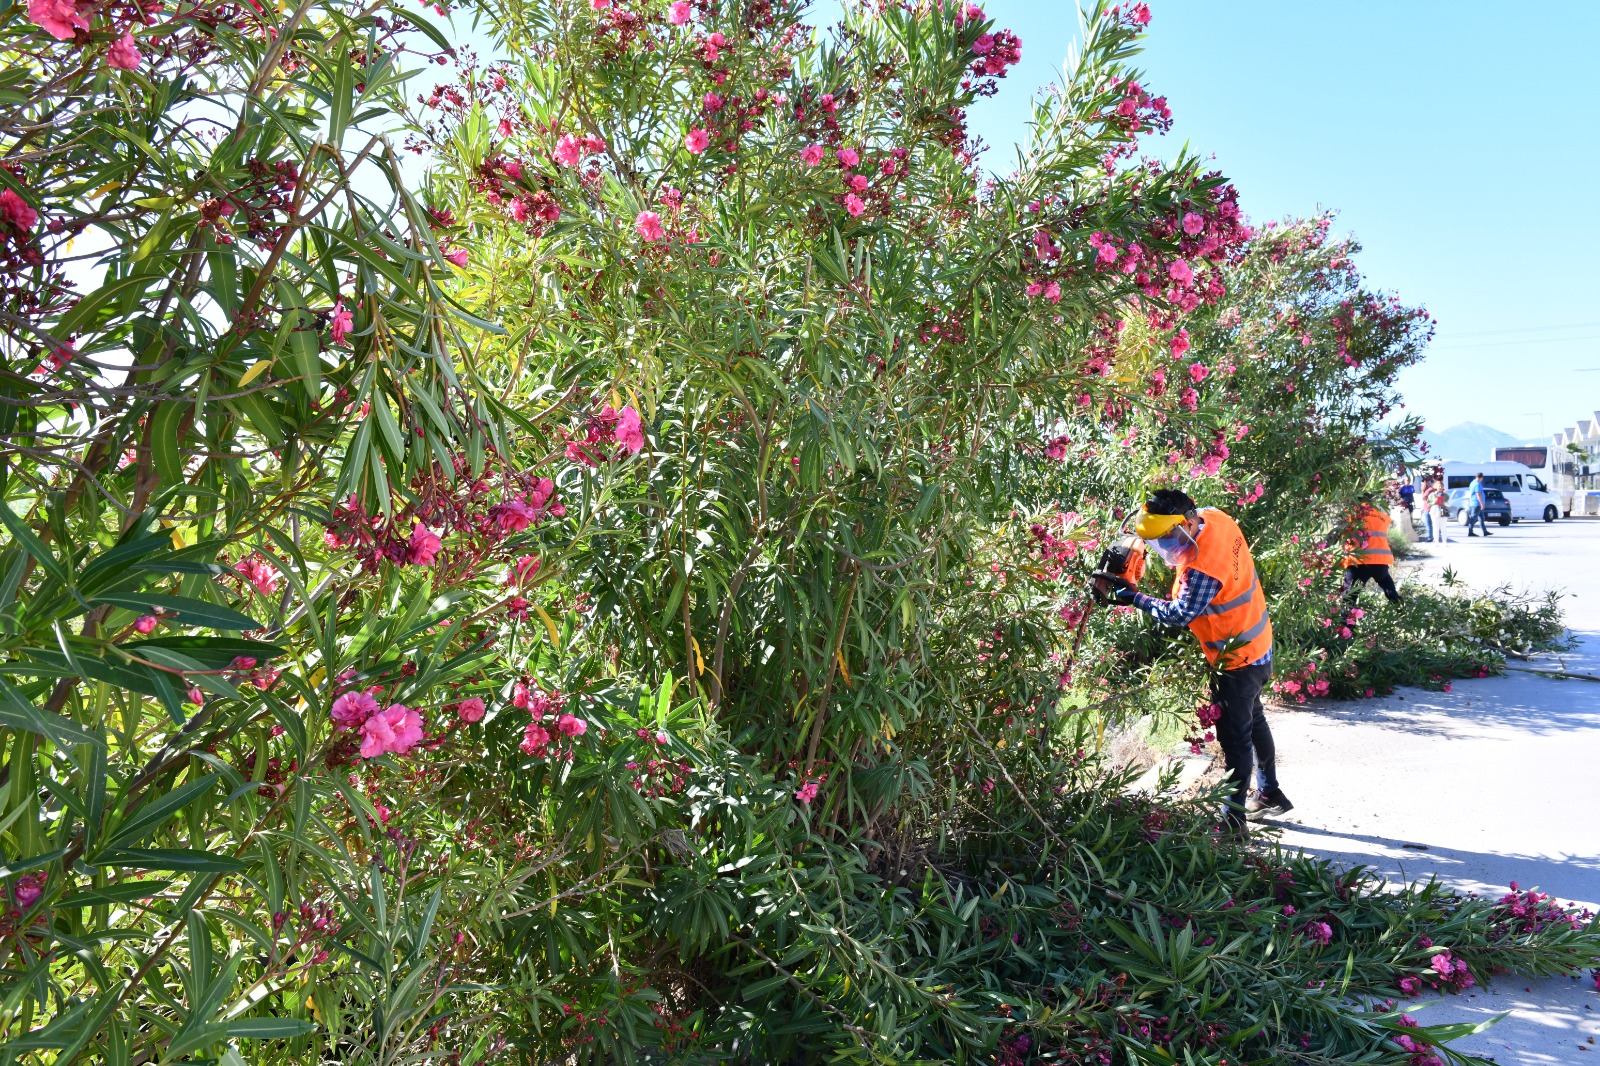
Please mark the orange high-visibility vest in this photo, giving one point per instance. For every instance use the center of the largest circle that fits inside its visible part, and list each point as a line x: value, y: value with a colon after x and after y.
x: 1235, y: 625
x: 1369, y: 547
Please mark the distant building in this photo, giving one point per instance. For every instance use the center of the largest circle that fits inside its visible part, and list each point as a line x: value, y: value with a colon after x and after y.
x: 1575, y: 466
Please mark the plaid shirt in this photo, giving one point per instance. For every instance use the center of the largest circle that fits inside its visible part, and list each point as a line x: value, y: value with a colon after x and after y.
x: 1196, y: 595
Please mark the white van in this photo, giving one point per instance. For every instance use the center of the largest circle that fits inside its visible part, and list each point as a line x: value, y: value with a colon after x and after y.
x: 1528, y: 495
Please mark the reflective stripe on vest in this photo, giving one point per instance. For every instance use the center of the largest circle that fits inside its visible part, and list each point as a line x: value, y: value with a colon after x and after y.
x: 1243, y: 638
x: 1370, y: 547
x: 1238, y: 601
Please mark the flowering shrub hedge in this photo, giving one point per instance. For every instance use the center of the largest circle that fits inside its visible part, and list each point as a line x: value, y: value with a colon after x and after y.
x: 614, y: 596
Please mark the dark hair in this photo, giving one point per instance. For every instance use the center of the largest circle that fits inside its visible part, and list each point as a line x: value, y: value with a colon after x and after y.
x: 1480, y: 473
x: 1169, y: 501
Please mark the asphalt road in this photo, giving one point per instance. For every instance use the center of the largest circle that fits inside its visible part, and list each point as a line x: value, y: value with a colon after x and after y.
x: 1493, y: 782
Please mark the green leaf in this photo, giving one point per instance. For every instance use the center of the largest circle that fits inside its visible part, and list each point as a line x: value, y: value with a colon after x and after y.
x: 185, y: 860
x: 212, y: 653
x: 269, y: 1028
x: 11, y: 869
x: 33, y: 545
x: 190, y: 611
x: 165, y: 441
x: 150, y: 815
x: 18, y: 712
x: 122, y: 892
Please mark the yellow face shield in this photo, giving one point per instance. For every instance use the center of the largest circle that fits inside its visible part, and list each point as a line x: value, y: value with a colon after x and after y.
x: 1152, y: 526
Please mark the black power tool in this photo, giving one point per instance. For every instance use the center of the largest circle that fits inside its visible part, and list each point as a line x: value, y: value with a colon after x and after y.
x: 1125, y: 560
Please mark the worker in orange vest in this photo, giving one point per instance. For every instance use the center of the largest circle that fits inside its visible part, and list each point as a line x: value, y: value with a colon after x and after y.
x: 1367, y: 552
x: 1215, y: 592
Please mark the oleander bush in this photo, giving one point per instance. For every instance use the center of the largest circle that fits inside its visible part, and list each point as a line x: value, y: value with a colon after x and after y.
x: 579, y: 556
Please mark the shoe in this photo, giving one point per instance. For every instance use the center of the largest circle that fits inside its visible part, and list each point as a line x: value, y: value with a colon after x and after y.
x: 1487, y: 533
x: 1269, y: 804
x: 1474, y: 534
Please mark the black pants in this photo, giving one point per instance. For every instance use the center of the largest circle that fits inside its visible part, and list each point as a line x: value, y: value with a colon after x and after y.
x: 1360, y: 575
x: 1243, y: 731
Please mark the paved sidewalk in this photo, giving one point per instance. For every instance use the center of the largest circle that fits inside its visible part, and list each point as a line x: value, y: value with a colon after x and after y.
x: 1493, y: 782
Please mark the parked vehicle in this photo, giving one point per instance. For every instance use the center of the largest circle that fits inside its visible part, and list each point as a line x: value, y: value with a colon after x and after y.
x: 1529, y: 497
x: 1498, y: 508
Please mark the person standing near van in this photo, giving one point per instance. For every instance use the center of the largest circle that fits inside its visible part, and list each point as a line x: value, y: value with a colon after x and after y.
x: 1477, y: 500
x: 1367, y: 552
x: 1438, y: 510
x: 1426, y: 496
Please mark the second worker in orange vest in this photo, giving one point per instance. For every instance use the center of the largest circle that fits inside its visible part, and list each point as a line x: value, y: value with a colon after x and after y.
x: 1216, y: 593
x: 1367, y: 552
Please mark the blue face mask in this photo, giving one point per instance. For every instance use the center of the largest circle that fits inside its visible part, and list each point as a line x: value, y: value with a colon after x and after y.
x: 1175, y: 547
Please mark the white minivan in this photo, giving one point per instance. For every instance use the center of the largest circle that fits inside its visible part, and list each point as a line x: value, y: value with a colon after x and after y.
x: 1529, y: 497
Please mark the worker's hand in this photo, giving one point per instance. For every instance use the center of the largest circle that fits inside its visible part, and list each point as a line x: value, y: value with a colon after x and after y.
x: 1113, y: 588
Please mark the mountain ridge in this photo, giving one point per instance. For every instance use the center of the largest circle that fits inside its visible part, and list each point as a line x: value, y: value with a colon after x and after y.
x: 1471, y: 440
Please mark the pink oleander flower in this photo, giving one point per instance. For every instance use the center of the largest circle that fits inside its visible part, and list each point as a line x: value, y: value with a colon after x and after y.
x: 59, y: 18
x: 260, y: 573
x: 513, y: 169
x: 535, y: 738
x: 811, y: 155
x: 854, y: 205
x: 195, y: 696
x: 648, y: 225
x: 1288, y: 910
x: 523, y: 569
x: 1319, y: 932
x: 1180, y: 343
x: 1410, y: 985
x: 1034, y: 288
x: 678, y: 12
x: 1188, y: 399
x: 340, y: 322
x: 1241, y: 432
x: 806, y: 792
x: 1198, y: 372
x: 145, y: 623
x: 16, y: 212
x: 514, y: 515
x: 571, y: 725
x: 424, y: 546
x: 470, y: 709
x: 569, y: 151
x: 983, y: 45
x: 124, y: 54
x: 1193, y: 223
x: 847, y: 157
x: 352, y: 709
x: 28, y: 889
x: 599, y: 5
x: 1052, y: 291
x: 1139, y: 14
x: 1180, y: 272
x: 457, y: 257
x: 697, y: 141
x: 1442, y: 964
x: 629, y: 430
x: 394, y: 730
x: 1344, y: 631
x: 858, y: 183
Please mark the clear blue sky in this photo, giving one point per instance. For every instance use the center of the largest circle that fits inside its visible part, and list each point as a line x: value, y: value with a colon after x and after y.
x: 1457, y: 140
